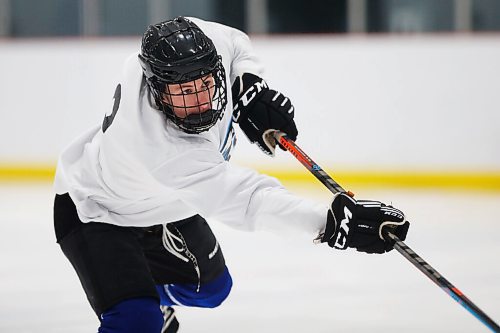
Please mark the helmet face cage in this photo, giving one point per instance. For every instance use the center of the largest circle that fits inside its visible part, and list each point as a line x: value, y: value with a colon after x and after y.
x: 195, y: 105
x: 184, y: 74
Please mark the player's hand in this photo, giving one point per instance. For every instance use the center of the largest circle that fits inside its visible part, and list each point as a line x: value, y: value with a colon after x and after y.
x: 261, y: 111
x: 360, y: 224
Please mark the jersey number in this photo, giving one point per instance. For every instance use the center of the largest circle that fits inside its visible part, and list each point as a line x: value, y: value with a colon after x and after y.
x: 108, y: 120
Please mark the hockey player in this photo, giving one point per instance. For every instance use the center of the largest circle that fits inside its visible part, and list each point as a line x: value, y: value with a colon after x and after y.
x: 134, y: 192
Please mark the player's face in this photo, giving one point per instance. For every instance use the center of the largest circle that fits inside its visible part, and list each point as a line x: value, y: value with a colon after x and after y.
x: 191, y: 97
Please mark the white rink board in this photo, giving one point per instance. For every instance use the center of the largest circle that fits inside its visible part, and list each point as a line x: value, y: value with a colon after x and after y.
x: 379, y: 102
x: 280, y: 285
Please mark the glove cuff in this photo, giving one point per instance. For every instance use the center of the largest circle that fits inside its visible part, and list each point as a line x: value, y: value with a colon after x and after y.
x: 270, y: 141
x: 397, y: 219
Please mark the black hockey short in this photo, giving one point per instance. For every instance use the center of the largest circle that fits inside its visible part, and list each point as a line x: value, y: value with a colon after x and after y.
x: 115, y: 263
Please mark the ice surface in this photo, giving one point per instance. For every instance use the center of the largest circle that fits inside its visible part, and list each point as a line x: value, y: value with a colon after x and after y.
x: 280, y: 284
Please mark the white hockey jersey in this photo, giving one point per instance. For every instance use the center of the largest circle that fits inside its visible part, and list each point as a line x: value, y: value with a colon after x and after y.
x: 144, y: 171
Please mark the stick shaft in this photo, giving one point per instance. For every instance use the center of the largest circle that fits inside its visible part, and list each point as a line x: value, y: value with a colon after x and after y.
x: 444, y: 284
x: 399, y: 245
x: 314, y: 168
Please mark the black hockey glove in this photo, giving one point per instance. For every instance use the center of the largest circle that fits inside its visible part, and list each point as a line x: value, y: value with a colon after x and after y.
x: 359, y: 225
x: 261, y: 111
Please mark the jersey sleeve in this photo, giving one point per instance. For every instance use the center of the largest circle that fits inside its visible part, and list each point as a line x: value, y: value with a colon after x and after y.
x: 236, y: 43
x: 244, y: 59
x: 240, y: 197
x: 256, y: 201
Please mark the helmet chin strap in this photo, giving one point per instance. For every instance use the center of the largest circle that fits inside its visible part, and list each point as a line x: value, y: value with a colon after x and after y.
x: 200, y: 122
x: 200, y: 118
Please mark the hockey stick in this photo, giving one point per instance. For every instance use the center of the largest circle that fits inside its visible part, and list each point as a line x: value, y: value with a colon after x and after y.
x: 399, y: 245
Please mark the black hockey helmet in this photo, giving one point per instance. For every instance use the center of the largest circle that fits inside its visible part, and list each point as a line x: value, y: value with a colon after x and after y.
x: 175, y: 52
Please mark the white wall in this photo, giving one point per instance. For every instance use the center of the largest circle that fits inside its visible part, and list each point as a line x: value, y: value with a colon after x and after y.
x: 428, y: 103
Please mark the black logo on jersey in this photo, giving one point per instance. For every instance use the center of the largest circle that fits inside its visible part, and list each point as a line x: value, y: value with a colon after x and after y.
x: 108, y: 120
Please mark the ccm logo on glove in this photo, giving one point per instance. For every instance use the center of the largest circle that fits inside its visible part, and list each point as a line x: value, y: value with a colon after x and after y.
x: 360, y: 225
x: 343, y: 230
x: 261, y: 111
x: 248, y: 96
